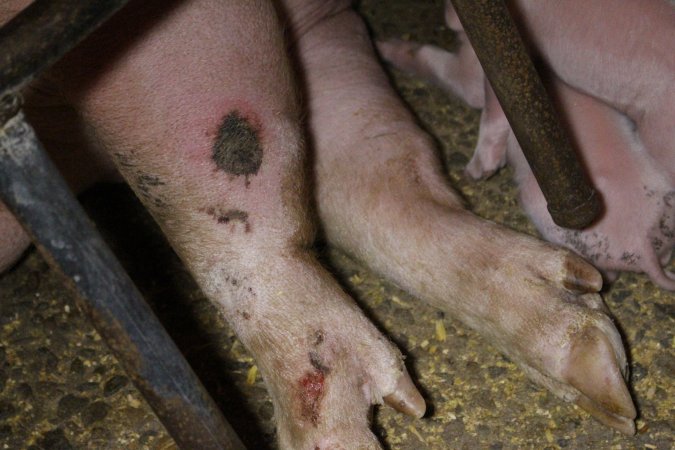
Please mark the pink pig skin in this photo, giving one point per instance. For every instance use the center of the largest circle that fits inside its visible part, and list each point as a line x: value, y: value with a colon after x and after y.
x: 196, y: 104
x: 616, y: 93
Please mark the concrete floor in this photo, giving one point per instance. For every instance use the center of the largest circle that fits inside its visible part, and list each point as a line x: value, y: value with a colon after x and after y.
x: 60, y: 388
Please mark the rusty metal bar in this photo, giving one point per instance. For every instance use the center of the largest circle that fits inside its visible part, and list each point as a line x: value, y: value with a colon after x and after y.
x: 572, y: 201
x: 42, y: 33
x: 34, y: 191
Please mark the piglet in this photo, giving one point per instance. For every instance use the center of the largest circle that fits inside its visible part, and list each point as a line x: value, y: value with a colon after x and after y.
x: 196, y: 105
x: 615, y: 91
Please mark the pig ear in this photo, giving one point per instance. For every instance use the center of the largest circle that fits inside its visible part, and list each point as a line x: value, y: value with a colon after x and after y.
x: 490, y: 153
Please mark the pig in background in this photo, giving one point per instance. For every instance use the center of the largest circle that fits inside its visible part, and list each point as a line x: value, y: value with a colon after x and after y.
x: 467, y: 257
x: 612, y: 72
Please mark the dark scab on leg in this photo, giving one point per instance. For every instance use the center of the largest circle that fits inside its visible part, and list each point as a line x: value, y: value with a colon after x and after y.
x: 312, y: 386
x: 318, y: 337
x: 657, y: 244
x: 316, y: 362
x: 230, y: 216
x: 311, y: 393
x: 233, y: 214
x: 666, y: 227
x: 237, y: 149
x: 631, y: 259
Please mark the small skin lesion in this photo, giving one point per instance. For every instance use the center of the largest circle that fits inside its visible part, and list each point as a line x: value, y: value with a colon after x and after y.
x: 316, y: 362
x: 230, y: 216
x: 312, y: 384
x: 312, y: 388
x: 666, y: 228
x: 237, y: 149
x: 318, y: 337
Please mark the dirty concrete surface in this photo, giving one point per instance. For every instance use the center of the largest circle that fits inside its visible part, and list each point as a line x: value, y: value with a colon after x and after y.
x: 60, y: 388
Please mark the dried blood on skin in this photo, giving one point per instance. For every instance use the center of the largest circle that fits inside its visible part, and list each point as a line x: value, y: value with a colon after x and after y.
x: 311, y: 392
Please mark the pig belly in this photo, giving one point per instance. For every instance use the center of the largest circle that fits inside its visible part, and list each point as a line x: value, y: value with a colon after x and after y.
x: 639, y: 238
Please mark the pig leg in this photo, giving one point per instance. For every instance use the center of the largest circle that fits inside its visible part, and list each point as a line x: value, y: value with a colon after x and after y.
x: 80, y: 168
x: 490, y: 153
x: 13, y: 239
x: 382, y: 198
x: 458, y: 72
x: 637, y: 239
x: 195, y: 102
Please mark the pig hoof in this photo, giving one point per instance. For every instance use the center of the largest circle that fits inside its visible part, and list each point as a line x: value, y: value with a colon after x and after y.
x: 581, y: 277
x: 593, y: 370
x: 536, y: 303
x: 406, y: 398
x: 323, y: 362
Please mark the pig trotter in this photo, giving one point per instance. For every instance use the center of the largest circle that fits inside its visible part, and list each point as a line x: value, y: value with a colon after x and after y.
x: 593, y: 370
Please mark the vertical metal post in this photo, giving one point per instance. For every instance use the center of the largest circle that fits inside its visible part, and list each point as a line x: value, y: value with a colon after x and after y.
x: 572, y: 201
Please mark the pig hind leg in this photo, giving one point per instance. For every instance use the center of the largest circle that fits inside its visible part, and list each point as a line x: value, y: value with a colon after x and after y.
x: 208, y: 136
x: 382, y: 198
x: 458, y: 72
